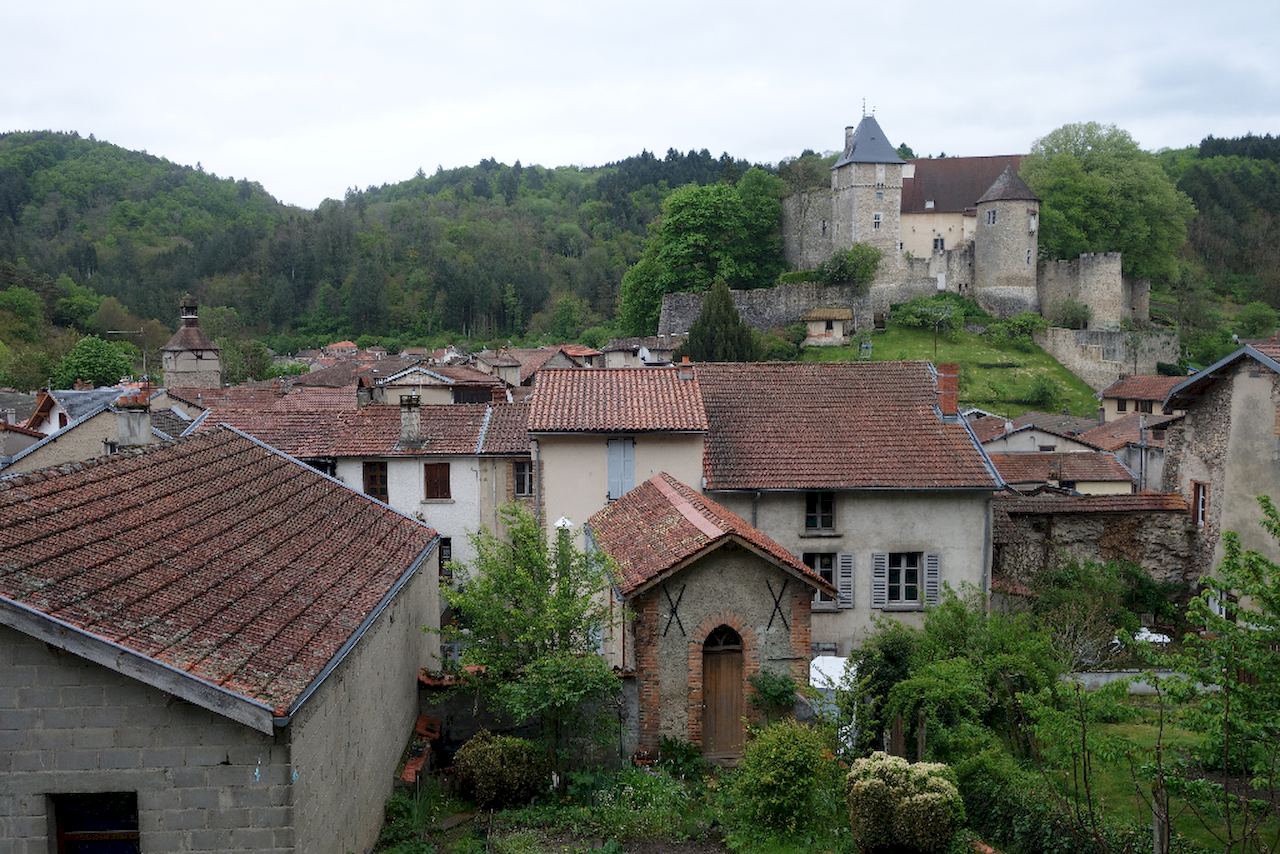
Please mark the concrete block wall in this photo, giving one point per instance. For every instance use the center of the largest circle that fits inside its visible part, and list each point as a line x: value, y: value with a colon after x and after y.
x: 348, y: 737
x: 204, y: 783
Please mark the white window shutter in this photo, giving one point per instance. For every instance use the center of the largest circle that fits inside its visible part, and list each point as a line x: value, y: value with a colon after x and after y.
x: 932, y: 577
x: 844, y: 579
x: 879, y: 580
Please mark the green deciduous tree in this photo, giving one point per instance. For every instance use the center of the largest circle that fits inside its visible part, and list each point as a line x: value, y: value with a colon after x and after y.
x: 95, y: 361
x: 1100, y: 192
x: 718, y: 334
x: 530, y: 615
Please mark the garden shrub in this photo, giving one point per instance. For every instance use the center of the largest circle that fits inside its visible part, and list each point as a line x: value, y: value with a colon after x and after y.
x: 793, y: 276
x: 681, y: 760
x: 641, y: 804
x: 894, y: 804
x: 781, y: 774
x: 857, y: 266
x: 1071, y: 313
x: 500, y: 770
x: 775, y: 693
x: 1017, y: 330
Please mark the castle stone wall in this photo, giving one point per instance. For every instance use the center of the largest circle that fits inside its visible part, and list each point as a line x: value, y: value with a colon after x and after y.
x: 807, y: 229
x: 768, y: 308
x: 1100, y: 356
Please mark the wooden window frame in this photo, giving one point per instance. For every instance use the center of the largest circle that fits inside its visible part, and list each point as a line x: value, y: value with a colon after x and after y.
x: 376, y: 484
x: 435, y: 482
x: 1199, y: 503
x: 819, y: 511
x: 73, y: 811
x: 522, y: 478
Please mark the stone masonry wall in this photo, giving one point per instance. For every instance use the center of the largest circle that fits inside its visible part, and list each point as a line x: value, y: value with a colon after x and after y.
x: 1163, y: 544
x: 1099, y: 357
x: 807, y: 229
x: 204, y: 783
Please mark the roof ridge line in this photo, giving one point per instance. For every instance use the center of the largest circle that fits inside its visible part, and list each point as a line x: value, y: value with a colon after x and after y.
x: 687, y: 510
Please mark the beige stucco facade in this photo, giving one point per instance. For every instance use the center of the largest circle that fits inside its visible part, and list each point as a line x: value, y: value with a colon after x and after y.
x: 920, y: 230
x: 87, y: 439
x: 956, y: 525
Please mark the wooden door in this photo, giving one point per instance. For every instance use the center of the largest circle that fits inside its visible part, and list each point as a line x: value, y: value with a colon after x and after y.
x: 722, y: 712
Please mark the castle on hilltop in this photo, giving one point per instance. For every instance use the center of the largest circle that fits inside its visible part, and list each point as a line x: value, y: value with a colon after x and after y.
x: 968, y: 225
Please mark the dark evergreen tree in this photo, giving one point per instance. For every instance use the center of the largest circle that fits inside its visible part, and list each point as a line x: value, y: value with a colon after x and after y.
x: 719, y: 335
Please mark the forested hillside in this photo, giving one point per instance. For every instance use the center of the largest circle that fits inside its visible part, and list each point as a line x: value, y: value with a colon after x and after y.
x: 96, y: 238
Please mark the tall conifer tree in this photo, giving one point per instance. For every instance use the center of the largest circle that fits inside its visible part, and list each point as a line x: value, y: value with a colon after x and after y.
x: 719, y: 335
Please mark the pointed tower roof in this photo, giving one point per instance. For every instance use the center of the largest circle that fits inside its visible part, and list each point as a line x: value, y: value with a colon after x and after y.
x: 189, y: 336
x: 1008, y: 188
x: 867, y: 144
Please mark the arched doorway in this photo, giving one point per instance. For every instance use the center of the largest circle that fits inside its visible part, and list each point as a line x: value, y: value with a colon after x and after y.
x: 722, y: 693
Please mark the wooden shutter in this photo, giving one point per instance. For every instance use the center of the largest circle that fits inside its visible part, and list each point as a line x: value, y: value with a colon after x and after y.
x: 622, y: 467
x: 844, y: 579
x: 932, y: 577
x: 879, y: 580
x: 435, y: 480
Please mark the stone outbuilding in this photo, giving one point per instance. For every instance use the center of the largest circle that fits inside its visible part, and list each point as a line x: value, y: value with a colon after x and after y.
x: 205, y: 645
x: 713, y: 602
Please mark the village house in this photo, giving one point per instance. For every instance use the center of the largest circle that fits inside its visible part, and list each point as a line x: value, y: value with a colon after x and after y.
x: 1136, y: 394
x: 864, y: 471
x: 642, y: 352
x: 1044, y: 432
x: 712, y: 602
x: 1138, y: 441
x: 518, y: 366
x: 1086, y: 472
x: 1225, y: 451
x: 205, y: 645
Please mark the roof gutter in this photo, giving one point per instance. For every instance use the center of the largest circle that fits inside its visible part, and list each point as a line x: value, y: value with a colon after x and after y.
x: 111, y: 655
x: 284, y: 720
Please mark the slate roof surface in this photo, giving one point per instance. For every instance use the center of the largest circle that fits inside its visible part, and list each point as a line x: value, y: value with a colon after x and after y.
x: 616, y: 400
x: 954, y: 184
x: 214, y: 555
x: 1008, y: 187
x: 1068, y: 426
x: 653, y: 342
x: 1189, y: 389
x: 189, y: 338
x: 78, y: 404
x: 443, y: 375
x: 1114, y: 435
x: 653, y: 529
x: 1078, y: 466
x: 869, y: 145
x: 1141, y: 388
x: 833, y: 425
x: 1140, y: 502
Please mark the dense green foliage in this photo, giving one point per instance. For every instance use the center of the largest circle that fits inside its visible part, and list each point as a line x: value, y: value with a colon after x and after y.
x: 895, y: 805
x: 97, y: 362
x: 1100, y: 192
x: 718, y: 333
x: 857, y: 266
x: 501, y: 770
x: 784, y: 770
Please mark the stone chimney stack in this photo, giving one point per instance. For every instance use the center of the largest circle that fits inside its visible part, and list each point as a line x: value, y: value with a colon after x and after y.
x: 949, y: 390
x: 410, y: 419
x: 133, y: 421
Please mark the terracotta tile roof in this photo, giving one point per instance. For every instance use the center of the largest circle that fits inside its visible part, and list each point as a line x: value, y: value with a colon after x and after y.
x: 1140, y: 502
x: 507, y: 431
x: 833, y: 425
x: 316, y: 398
x: 351, y: 372
x: 1078, y: 466
x: 578, y: 350
x: 1140, y: 388
x: 234, y: 397
x: 1114, y: 435
x: 213, y: 555
x: 616, y: 400
x: 301, y: 434
x: 656, y: 528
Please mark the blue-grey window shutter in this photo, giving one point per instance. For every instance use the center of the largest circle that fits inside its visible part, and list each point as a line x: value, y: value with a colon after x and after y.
x: 879, y: 580
x: 844, y: 579
x: 622, y: 467
x: 932, y: 577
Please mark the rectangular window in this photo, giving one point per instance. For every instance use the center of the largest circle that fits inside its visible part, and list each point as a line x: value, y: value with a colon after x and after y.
x: 928, y: 204
x: 905, y: 580
x: 875, y: 222
x: 879, y: 195
x: 939, y: 244
x: 446, y: 557
x: 824, y: 564
x: 1122, y: 405
x: 622, y: 467
x: 991, y: 217
x: 1199, y: 502
x: 820, y: 511
x: 375, y: 480
x: 1142, y: 406
x: 1028, y: 257
x: 522, y: 478
x: 435, y: 478
x: 96, y: 823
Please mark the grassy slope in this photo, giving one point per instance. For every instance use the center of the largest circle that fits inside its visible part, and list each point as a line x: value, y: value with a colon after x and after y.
x: 993, y: 376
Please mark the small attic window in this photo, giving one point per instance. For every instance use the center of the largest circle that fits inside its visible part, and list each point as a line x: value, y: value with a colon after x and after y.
x: 928, y: 204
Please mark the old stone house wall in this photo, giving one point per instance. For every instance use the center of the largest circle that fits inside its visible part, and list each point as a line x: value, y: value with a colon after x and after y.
x: 1161, y: 543
x: 733, y: 587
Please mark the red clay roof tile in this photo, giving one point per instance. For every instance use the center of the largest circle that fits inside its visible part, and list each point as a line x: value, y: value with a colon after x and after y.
x: 615, y: 400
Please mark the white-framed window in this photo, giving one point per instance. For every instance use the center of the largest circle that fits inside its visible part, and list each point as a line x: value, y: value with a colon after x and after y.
x: 879, y: 195
x: 522, y: 478
x: 939, y: 244
x: 991, y: 216
x: 875, y: 222
x: 835, y: 568
x: 820, y: 511
x: 1199, y: 502
x: 905, y: 580
x: 1033, y: 222
x: 880, y: 174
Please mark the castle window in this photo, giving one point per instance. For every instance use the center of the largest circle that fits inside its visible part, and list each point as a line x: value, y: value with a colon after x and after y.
x: 991, y: 217
x: 875, y: 222
x: 939, y: 244
x: 880, y: 174
x: 879, y: 195
x: 824, y: 226
x: 1033, y: 220
x: 1028, y: 257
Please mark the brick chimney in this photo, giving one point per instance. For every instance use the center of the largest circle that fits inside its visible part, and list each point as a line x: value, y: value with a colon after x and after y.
x: 685, y: 369
x: 949, y: 389
x: 410, y: 419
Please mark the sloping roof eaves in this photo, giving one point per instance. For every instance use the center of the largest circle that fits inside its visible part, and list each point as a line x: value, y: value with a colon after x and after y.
x: 1187, y: 392
x: 869, y: 145
x: 616, y: 400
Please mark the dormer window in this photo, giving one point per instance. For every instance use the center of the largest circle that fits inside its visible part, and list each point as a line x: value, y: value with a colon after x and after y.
x: 928, y: 204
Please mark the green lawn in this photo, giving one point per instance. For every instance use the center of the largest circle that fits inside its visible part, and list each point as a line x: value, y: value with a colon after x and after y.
x: 995, y: 376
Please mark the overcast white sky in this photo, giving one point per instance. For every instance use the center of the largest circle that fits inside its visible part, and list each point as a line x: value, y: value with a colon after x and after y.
x: 311, y: 98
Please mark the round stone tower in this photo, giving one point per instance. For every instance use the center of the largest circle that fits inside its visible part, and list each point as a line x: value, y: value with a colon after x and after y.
x: 1005, y: 244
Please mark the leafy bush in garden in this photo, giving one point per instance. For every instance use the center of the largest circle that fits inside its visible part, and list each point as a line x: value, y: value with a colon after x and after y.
x: 641, y: 804
x: 858, y: 266
x: 781, y: 776
x: 501, y: 769
x: 895, y: 804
